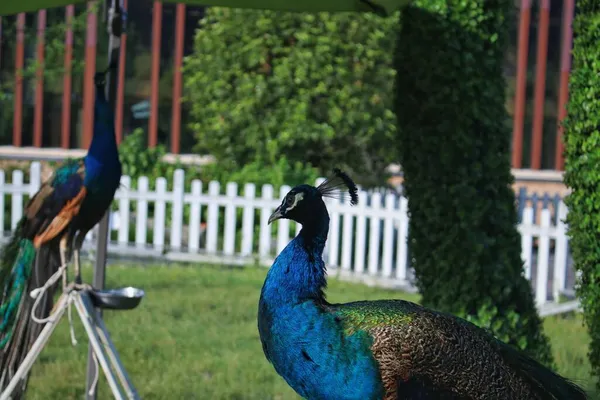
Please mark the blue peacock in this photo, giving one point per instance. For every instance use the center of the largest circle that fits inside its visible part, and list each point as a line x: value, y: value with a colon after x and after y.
x: 54, y: 225
x: 385, y: 349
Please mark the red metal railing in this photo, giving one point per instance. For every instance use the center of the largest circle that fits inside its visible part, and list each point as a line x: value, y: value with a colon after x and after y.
x: 18, y: 95
x: 177, y: 84
x: 39, y: 81
x: 67, y: 81
x: 156, y: 42
x: 565, y: 68
x: 521, y: 86
x: 540, y: 84
x: 88, y: 79
x: 121, y: 85
x: 520, y: 96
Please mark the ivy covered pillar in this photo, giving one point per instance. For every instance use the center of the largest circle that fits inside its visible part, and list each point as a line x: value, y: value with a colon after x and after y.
x: 455, y: 155
x: 582, y: 167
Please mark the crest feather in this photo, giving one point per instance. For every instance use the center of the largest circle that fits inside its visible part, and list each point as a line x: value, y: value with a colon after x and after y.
x: 339, y: 179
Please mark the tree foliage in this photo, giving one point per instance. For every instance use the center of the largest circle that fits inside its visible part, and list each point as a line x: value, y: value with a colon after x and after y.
x: 582, y: 170
x: 314, y: 88
x: 455, y: 151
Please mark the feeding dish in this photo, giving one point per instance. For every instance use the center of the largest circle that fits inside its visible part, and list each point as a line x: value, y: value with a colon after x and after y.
x: 117, y: 299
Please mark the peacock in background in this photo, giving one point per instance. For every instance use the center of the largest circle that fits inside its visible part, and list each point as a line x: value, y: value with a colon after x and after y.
x: 54, y: 225
x: 386, y: 349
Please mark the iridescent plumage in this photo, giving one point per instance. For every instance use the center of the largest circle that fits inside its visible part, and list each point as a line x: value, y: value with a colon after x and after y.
x: 387, y: 349
x: 56, y: 220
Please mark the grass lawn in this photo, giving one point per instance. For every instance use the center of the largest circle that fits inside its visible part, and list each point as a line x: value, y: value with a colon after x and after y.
x: 194, y: 336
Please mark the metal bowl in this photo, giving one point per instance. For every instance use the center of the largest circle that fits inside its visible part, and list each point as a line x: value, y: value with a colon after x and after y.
x: 117, y: 299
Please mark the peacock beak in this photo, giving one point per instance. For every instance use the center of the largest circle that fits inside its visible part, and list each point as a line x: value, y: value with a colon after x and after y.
x: 276, y: 215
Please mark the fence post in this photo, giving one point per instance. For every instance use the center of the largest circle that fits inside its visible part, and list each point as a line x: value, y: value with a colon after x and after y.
x: 361, y: 233
x: 16, y: 210
x: 141, y: 211
x: 541, y: 287
x: 334, y: 232
x: 212, y: 218
x: 402, y: 247
x: 264, y: 243
x: 560, y: 252
x: 248, y: 219
x: 229, y: 234
x: 123, y: 193
x: 195, y: 217
x: 35, y: 178
x: 283, y: 225
x: 160, y: 211
x: 177, y: 213
x: 388, y: 235
x: 347, y: 234
x: 526, y: 239
x: 374, y: 233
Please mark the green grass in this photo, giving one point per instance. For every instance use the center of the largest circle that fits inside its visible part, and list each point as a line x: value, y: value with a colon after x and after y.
x: 194, y: 336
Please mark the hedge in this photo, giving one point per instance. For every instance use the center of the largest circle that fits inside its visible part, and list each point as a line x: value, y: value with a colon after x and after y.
x: 455, y: 135
x: 582, y: 167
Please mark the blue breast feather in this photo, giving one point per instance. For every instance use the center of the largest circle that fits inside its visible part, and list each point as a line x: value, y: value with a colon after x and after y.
x: 306, y: 344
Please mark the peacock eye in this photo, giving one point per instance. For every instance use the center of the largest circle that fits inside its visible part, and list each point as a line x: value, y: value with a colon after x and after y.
x: 289, y: 200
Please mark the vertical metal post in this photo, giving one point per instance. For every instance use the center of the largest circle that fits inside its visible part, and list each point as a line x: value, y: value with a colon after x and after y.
x: 177, y: 86
x: 38, y: 119
x: 565, y: 68
x: 65, y: 134
x: 520, y: 90
x: 114, y: 29
x: 155, y: 73
x: 91, y: 42
x: 539, y: 96
x: 18, y: 96
x: 121, y: 84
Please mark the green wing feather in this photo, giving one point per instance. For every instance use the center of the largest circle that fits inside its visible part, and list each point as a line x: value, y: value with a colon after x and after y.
x: 22, y: 269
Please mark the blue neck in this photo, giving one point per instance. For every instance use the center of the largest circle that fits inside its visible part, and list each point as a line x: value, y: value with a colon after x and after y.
x: 298, y: 273
x: 103, y: 148
x: 102, y: 162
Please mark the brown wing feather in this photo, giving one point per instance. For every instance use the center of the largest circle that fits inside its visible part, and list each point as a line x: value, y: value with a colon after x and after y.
x: 446, y: 354
x: 425, y: 354
x: 36, y: 202
x: 60, y: 222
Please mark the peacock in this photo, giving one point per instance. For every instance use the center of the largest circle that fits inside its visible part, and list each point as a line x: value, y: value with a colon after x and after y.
x: 385, y: 349
x: 53, y: 227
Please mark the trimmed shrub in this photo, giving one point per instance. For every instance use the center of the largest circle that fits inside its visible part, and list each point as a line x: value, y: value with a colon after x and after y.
x: 314, y: 88
x: 455, y: 152
x: 582, y: 169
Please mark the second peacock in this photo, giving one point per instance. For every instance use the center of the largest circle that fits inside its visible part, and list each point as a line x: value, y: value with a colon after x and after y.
x: 56, y: 221
x: 386, y: 349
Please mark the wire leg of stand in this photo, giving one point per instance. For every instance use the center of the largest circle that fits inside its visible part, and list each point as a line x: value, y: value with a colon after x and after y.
x: 36, y: 348
x: 88, y: 323
x: 110, y: 350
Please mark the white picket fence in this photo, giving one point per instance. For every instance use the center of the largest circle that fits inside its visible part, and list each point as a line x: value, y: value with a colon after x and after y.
x: 367, y: 242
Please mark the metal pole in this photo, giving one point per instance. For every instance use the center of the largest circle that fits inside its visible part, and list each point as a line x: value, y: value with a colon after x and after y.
x: 540, y: 85
x: 520, y: 90
x: 565, y: 68
x: 114, y: 29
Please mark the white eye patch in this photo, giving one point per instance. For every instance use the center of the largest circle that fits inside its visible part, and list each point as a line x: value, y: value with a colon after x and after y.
x: 297, y: 199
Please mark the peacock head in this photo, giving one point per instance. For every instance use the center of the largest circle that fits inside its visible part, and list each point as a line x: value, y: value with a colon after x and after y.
x: 303, y: 202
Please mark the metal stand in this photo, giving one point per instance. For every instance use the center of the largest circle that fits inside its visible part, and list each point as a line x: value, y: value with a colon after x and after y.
x: 103, y: 348
x: 116, y: 25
